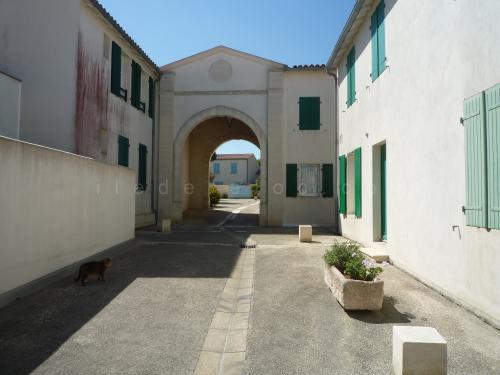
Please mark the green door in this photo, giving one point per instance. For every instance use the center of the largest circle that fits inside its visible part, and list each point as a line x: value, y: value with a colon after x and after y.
x: 383, y: 195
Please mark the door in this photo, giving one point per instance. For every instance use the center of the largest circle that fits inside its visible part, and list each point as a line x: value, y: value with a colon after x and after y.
x: 383, y: 194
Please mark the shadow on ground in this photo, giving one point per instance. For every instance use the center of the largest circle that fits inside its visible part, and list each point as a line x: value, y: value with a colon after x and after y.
x: 388, y: 314
x: 33, y: 328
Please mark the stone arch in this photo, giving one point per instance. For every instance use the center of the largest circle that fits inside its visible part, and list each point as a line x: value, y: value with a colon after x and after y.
x: 199, y: 118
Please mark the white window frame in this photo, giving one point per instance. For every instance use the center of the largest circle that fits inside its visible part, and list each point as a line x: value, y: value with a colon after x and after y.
x: 302, y: 188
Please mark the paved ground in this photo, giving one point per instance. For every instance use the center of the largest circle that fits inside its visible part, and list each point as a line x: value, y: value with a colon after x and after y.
x: 194, y: 302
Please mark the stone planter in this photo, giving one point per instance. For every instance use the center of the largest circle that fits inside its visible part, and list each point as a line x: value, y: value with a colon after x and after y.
x: 355, y: 294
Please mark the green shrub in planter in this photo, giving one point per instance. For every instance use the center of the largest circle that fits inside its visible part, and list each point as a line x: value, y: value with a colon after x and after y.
x: 348, y: 259
x: 214, y: 196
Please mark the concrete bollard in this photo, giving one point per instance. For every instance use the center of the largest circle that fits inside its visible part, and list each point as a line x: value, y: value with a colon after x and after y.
x: 418, y: 351
x: 166, y: 225
x: 305, y: 233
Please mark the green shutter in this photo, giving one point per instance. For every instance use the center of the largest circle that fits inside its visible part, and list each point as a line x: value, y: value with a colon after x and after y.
x: 378, y: 40
x: 357, y: 182
x: 381, y: 37
x: 373, y: 29
x: 143, y: 167
x: 475, y: 151
x: 342, y: 185
x: 291, y: 180
x: 492, y: 98
x: 135, y: 96
x: 351, y: 77
x: 327, y: 180
x: 116, y: 68
x: 309, y: 113
x: 123, y: 146
x: 151, y: 104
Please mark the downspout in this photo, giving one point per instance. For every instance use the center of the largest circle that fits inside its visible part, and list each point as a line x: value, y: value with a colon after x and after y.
x: 154, y: 159
x: 336, y: 122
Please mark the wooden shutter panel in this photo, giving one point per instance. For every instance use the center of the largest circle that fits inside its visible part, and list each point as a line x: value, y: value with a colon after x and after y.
x: 342, y: 185
x: 142, y: 173
x: 291, y: 180
x: 116, y: 68
x: 357, y: 182
x: 373, y: 28
x: 309, y: 113
x: 151, y: 104
x: 475, y: 143
x: 123, y: 146
x: 492, y: 97
x: 351, y: 77
x: 327, y: 180
x: 381, y: 37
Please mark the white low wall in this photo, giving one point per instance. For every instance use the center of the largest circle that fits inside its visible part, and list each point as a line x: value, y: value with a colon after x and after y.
x: 57, y: 208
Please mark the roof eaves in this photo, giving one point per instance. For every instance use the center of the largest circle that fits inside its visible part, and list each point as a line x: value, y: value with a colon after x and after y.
x: 123, y: 33
x: 360, y: 4
x: 313, y: 67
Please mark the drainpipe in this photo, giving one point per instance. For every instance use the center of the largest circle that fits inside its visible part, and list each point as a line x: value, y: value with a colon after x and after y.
x: 155, y: 148
x: 336, y: 122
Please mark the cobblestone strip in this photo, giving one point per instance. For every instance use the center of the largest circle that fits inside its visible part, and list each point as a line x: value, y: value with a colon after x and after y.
x: 225, y: 346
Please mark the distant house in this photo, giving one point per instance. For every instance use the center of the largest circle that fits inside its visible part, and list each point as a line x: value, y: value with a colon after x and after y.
x: 230, y: 169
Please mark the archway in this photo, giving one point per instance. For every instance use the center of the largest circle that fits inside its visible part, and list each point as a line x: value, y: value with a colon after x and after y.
x: 194, y: 145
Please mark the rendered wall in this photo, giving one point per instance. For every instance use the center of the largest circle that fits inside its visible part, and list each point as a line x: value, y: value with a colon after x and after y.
x: 10, y: 106
x: 438, y: 53
x: 56, y: 209
x: 309, y: 146
x: 38, y: 45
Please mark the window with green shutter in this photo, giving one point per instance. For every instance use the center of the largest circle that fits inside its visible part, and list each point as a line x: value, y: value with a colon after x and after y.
x: 378, y: 41
x: 151, y: 98
x: 143, y: 167
x: 116, y: 71
x: 357, y: 183
x: 291, y: 180
x: 343, y: 185
x: 492, y: 104
x: 309, y: 113
x: 351, y: 77
x: 327, y: 180
x: 123, y: 146
x: 135, y: 95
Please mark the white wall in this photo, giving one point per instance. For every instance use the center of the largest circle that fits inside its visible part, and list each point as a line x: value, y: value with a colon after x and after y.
x: 439, y: 52
x: 38, y: 43
x: 309, y: 146
x: 56, y: 209
x: 10, y: 106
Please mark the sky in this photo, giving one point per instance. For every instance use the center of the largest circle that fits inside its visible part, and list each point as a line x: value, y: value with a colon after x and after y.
x: 288, y: 31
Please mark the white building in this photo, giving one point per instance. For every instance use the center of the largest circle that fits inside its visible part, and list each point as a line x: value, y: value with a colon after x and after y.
x: 241, y: 169
x: 87, y: 87
x: 289, y: 113
x: 410, y: 174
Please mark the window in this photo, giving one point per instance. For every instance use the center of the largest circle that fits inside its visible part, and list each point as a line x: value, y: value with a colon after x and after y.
x: 216, y: 167
x: 151, y: 98
x: 234, y: 168
x: 116, y: 72
x: 135, y: 96
x: 308, y: 180
x: 123, y: 146
x: 378, y: 41
x: 309, y: 113
x: 482, y: 148
x: 351, y: 77
x: 143, y: 167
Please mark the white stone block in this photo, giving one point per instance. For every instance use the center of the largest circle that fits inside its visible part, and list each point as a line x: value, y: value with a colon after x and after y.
x: 418, y: 351
x: 166, y: 225
x: 305, y: 233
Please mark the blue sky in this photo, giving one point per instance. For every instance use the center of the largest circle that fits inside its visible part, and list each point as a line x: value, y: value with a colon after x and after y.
x: 288, y: 31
